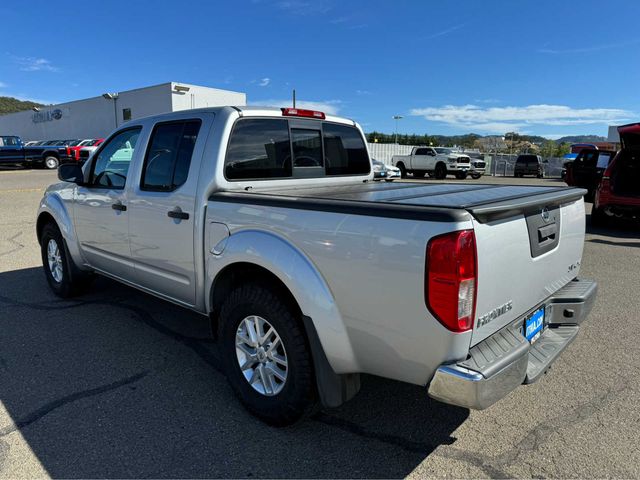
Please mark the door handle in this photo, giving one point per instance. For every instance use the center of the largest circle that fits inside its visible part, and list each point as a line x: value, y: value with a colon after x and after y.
x: 120, y: 207
x: 179, y: 214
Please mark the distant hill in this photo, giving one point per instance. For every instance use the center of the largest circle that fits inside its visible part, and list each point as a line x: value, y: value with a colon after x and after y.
x: 12, y: 105
x: 581, y: 139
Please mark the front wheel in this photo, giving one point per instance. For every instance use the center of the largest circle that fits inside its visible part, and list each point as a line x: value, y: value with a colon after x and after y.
x: 51, y: 162
x: 64, y: 278
x: 266, y: 358
x: 440, y: 171
x: 475, y: 176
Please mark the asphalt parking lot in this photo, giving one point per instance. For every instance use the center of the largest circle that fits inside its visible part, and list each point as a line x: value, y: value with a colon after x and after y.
x: 117, y: 383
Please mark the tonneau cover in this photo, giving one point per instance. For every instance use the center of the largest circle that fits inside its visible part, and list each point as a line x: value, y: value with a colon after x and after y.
x: 409, y: 200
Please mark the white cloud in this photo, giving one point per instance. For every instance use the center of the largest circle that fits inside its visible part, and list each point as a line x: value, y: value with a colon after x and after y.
x: 592, y: 48
x: 446, y: 31
x: 3, y: 85
x: 502, y: 119
x: 363, y: 92
x: 328, y: 106
x: 34, y: 64
x: 303, y: 8
x: 264, y: 82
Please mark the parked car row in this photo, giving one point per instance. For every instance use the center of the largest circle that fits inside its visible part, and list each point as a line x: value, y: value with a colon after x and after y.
x: 45, y: 153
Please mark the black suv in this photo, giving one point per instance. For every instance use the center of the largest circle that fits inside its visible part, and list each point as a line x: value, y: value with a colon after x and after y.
x: 528, y: 165
x: 587, y: 169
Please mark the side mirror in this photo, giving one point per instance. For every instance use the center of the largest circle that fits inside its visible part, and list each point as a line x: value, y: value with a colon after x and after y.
x: 71, y: 172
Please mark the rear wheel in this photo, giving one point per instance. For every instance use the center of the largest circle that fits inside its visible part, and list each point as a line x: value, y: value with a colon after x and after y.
x: 51, y: 162
x: 267, y: 361
x: 440, y: 172
x: 64, y: 278
x: 598, y: 217
x: 403, y: 170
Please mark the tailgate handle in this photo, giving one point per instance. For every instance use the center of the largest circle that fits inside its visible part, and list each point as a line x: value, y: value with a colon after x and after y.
x: 548, y: 232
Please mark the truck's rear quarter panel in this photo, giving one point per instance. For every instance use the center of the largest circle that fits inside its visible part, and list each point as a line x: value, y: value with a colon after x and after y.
x: 374, y: 268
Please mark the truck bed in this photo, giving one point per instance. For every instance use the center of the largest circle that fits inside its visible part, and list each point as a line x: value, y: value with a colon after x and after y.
x: 433, y: 202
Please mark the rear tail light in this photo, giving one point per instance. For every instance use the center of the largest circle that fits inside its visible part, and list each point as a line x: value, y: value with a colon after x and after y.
x: 299, y: 112
x: 451, y: 279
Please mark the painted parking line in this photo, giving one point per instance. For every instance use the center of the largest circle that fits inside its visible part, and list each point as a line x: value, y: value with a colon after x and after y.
x: 21, y: 190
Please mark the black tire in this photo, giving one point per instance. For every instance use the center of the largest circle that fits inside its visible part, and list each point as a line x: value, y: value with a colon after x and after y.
x: 72, y: 281
x: 461, y: 175
x: 50, y: 162
x: 440, y: 172
x: 403, y: 170
x: 298, y: 396
x: 475, y: 176
x: 598, y: 217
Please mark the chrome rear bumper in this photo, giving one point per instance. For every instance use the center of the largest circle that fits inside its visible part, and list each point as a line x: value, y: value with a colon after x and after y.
x: 505, y: 360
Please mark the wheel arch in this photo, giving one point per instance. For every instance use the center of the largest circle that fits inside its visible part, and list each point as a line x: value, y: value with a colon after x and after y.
x: 271, y: 260
x: 53, y: 210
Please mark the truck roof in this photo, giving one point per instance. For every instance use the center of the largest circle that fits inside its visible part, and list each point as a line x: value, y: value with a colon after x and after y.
x: 248, y: 111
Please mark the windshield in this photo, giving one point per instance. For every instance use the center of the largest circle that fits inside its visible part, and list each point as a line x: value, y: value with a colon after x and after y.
x: 444, y: 150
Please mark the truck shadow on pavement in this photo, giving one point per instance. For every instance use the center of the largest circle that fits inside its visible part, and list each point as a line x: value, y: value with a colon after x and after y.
x: 117, y: 383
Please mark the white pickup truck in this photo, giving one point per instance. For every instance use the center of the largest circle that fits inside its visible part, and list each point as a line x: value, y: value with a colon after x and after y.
x: 268, y: 222
x: 435, y: 161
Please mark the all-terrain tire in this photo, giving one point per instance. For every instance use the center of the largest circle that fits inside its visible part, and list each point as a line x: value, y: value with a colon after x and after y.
x: 298, y: 396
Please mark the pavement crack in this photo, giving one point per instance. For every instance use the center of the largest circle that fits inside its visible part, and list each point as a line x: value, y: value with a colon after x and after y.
x: 17, y: 245
x: 55, y: 404
x: 534, y: 439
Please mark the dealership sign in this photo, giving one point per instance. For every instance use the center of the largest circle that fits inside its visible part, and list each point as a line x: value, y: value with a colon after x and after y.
x: 48, y: 116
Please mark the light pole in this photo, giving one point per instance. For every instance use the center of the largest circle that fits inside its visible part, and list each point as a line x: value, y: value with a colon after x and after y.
x: 396, y: 118
x: 114, y: 97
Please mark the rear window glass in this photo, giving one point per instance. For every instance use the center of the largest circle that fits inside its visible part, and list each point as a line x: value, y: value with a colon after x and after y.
x: 259, y: 148
x: 344, y: 150
x: 307, y: 147
x: 263, y: 148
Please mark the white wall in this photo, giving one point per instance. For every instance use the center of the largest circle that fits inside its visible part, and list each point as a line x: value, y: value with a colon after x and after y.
x: 95, y: 117
x: 200, y: 97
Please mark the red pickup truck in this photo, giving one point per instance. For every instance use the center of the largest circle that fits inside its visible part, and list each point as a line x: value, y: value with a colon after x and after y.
x: 618, y: 194
x: 75, y: 150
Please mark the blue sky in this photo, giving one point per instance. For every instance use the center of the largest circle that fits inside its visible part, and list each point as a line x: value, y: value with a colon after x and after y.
x: 542, y: 67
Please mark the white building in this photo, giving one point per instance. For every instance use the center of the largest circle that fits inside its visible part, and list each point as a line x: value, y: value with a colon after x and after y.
x: 98, y: 116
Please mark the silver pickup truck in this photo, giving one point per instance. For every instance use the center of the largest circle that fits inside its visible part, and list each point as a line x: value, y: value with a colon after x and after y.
x: 268, y: 222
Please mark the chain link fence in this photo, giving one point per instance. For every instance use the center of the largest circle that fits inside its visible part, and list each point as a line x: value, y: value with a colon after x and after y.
x: 498, y: 165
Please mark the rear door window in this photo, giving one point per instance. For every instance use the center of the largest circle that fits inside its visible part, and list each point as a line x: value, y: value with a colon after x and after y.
x: 168, y: 158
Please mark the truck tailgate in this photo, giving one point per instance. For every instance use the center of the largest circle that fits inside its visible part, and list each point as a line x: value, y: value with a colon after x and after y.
x: 523, y: 259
